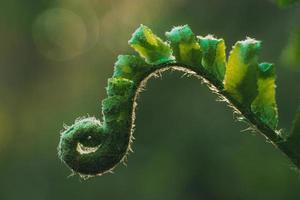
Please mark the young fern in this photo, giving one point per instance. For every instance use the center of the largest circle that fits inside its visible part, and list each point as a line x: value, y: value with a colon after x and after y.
x: 90, y: 147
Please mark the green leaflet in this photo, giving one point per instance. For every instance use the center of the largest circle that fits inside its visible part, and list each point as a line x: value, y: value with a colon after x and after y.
x: 214, y: 56
x: 250, y: 83
x: 150, y: 47
x: 185, y: 47
x: 93, y: 148
x: 241, y: 72
x: 264, y: 105
x: 130, y: 67
x: 207, y: 52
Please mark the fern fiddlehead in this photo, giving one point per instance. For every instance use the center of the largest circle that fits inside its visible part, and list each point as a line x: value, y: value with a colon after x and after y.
x: 90, y: 147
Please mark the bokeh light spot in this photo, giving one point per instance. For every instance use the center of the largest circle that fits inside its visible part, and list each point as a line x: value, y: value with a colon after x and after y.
x: 60, y: 34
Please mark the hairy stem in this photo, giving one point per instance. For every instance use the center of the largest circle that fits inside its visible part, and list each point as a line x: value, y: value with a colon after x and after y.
x: 90, y: 147
x: 117, y: 135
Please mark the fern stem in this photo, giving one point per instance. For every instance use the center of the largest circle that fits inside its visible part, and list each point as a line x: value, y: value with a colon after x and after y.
x: 90, y: 147
x: 118, y: 135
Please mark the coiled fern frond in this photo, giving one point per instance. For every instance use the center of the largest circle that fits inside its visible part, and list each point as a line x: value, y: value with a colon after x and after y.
x: 93, y: 147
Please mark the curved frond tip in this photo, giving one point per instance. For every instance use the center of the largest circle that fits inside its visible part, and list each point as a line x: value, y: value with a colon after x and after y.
x: 90, y: 147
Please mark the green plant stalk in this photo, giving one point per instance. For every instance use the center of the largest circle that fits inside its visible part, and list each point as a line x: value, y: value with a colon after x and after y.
x: 90, y: 147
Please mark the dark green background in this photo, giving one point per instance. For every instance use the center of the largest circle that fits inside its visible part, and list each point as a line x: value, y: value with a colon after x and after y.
x: 55, y: 58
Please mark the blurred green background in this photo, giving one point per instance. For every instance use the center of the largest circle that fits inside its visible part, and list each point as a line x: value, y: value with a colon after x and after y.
x: 55, y: 58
